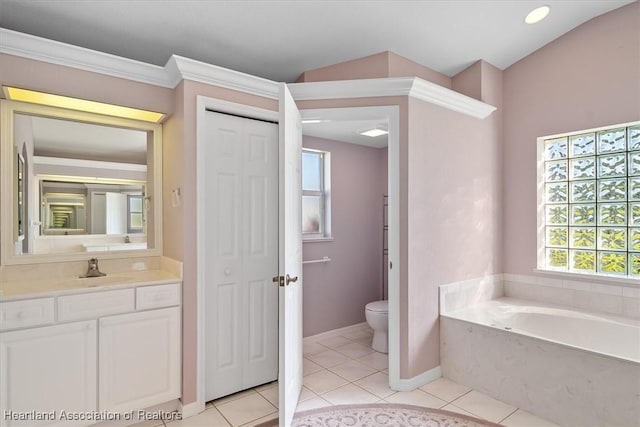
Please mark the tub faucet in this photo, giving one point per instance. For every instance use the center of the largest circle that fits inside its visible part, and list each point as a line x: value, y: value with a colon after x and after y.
x: 92, y: 269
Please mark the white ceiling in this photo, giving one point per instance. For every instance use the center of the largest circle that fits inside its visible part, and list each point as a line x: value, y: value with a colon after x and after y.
x: 279, y: 40
x: 348, y: 131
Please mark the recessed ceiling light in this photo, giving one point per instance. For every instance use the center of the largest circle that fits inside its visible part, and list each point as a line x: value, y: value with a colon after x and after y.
x: 537, y: 15
x: 374, y: 132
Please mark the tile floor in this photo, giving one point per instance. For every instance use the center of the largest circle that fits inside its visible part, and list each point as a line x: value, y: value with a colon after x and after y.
x: 343, y: 369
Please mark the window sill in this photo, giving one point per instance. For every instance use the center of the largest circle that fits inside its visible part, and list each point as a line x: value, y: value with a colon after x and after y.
x: 598, y: 278
x: 317, y: 239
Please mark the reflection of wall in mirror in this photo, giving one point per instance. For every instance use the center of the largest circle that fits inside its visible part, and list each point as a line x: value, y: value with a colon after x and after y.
x: 23, y: 143
x: 109, y: 212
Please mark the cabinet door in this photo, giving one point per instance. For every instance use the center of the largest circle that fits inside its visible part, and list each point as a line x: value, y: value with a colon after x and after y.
x: 139, y: 359
x: 48, y: 370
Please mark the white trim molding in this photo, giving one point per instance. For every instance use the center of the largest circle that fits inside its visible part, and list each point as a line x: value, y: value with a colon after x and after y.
x: 411, y: 384
x: 450, y: 99
x: 191, y: 409
x: 334, y: 332
x: 398, y: 86
x: 175, y: 70
x: 179, y: 68
x: 51, y: 51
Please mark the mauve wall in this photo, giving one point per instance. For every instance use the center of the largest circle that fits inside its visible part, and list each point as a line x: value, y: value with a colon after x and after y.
x: 589, y: 77
x: 454, y: 209
x: 380, y: 65
x: 336, y: 293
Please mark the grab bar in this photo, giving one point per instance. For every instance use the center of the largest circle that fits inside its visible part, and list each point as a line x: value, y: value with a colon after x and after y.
x: 317, y: 261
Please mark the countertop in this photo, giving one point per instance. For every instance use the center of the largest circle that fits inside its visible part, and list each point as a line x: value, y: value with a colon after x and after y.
x: 39, y: 288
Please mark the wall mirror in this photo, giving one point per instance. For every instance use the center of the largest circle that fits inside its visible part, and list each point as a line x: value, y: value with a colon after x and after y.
x: 76, y: 182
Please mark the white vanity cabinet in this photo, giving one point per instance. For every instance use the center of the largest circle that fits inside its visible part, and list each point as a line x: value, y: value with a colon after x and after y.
x: 139, y: 359
x: 46, y: 369
x: 112, y: 350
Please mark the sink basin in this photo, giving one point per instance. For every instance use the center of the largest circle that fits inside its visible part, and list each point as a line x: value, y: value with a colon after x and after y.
x: 89, y: 282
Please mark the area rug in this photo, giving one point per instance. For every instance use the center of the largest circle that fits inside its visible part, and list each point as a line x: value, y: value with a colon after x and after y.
x: 381, y: 415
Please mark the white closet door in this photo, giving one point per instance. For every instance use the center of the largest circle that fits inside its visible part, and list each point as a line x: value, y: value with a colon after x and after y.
x: 260, y: 251
x: 241, y: 252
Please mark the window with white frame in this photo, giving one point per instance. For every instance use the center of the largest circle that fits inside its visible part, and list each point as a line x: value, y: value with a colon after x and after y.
x: 590, y: 184
x: 135, y: 221
x: 316, y: 215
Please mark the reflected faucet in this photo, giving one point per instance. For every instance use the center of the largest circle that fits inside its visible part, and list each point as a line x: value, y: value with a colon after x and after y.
x: 92, y: 270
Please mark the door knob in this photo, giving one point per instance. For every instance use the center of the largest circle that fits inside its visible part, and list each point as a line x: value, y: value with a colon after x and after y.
x: 290, y: 279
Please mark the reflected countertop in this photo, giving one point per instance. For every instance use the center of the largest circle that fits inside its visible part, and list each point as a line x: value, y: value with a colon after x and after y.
x: 39, y: 288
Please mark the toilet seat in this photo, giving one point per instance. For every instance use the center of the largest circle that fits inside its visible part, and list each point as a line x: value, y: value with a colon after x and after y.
x: 378, y: 306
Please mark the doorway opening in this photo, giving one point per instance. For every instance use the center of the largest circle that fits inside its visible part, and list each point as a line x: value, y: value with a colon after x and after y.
x: 345, y: 125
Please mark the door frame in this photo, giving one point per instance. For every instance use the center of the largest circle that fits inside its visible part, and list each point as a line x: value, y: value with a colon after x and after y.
x: 392, y: 114
x: 202, y: 104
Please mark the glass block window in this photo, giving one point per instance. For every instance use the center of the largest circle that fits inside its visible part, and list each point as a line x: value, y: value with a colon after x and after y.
x: 315, y: 194
x: 591, y: 197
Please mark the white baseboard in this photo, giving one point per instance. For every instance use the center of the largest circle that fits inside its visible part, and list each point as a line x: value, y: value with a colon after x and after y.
x: 411, y: 384
x: 334, y: 332
x: 191, y: 409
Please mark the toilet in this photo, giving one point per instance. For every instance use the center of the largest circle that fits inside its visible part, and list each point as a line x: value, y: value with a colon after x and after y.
x: 377, y: 315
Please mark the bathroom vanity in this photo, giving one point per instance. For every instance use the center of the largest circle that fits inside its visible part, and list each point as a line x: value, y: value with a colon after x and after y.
x: 98, y: 345
x: 77, y: 351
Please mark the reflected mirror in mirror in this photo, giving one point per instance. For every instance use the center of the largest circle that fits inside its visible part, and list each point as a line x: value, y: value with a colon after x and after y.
x: 83, y: 208
x: 88, y: 182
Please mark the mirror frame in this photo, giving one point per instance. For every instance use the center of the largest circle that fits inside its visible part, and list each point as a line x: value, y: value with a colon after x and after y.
x: 7, y: 192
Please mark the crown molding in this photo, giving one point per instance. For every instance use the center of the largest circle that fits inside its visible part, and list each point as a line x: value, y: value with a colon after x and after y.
x: 450, y: 99
x: 169, y: 76
x: 179, y: 68
x: 361, y: 88
x: 53, y: 52
x: 401, y: 86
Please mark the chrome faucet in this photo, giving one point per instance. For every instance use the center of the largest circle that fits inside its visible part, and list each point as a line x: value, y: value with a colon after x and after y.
x: 92, y: 270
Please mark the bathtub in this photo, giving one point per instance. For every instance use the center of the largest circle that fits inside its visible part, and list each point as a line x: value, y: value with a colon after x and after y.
x: 572, y: 367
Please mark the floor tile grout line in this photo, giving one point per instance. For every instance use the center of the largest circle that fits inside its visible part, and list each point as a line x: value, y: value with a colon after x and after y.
x: 462, y: 395
x: 446, y: 402
x: 357, y: 379
x: 243, y: 392
x: 511, y: 413
x: 222, y: 415
x: 363, y: 389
